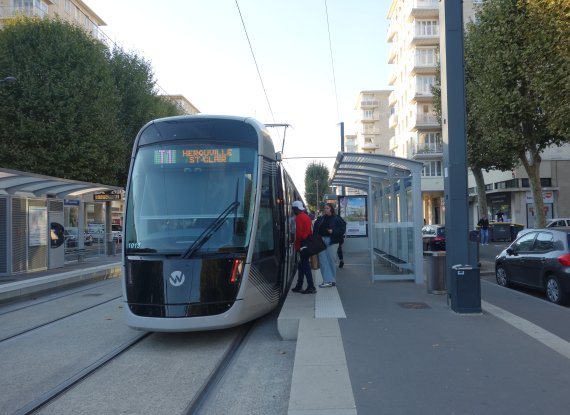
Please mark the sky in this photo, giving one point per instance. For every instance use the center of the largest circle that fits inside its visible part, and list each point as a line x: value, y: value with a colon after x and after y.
x: 200, y: 49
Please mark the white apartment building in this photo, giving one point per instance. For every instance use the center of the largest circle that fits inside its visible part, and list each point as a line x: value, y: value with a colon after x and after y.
x: 73, y: 11
x: 414, y: 35
x: 372, y: 114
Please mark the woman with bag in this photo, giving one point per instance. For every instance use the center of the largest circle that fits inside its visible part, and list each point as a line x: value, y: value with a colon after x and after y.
x: 302, y: 231
x: 328, y: 226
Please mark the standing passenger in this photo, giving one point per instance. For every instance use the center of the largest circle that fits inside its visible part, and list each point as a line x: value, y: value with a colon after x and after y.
x: 484, y: 226
x: 302, y: 230
x: 328, y: 226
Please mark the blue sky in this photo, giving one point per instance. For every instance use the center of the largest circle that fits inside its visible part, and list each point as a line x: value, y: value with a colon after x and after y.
x: 198, y: 48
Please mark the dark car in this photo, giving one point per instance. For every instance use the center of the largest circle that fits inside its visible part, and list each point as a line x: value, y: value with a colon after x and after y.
x: 538, y: 259
x: 433, y: 237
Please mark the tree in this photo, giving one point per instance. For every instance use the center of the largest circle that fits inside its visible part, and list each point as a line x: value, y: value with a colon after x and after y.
x: 316, y: 184
x: 507, y: 54
x: 59, y: 118
x: 138, y: 101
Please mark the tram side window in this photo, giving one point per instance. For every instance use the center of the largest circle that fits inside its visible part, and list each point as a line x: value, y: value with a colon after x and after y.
x: 264, y: 240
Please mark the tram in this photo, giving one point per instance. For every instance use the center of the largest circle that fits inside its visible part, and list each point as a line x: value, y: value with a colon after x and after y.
x: 207, y: 242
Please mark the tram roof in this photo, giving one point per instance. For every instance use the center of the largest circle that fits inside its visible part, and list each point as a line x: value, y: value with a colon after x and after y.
x: 14, y: 182
x: 354, y: 169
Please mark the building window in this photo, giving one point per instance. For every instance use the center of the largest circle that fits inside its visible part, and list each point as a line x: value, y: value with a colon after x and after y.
x: 425, y: 57
x: 424, y: 84
x: 432, y: 169
x: 67, y: 6
x: 427, y: 28
x: 368, y: 114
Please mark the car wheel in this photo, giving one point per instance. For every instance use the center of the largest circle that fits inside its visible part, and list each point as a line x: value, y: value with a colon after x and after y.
x: 501, y: 275
x: 553, y: 291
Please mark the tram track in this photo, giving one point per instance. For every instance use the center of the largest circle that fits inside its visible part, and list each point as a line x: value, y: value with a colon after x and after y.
x: 72, y: 381
x: 55, y: 320
x: 200, y: 401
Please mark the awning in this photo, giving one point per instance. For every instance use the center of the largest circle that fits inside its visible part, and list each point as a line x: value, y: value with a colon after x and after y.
x: 354, y: 169
x: 18, y: 183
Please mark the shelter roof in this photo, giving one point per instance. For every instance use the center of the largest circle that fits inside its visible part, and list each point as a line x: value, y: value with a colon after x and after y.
x: 354, y: 169
x: 14, y: 182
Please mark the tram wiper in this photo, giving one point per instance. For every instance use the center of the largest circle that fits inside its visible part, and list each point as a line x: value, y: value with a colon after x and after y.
x: 209, y: 231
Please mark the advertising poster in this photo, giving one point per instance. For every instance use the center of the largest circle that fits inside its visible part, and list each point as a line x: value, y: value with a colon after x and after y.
x: 353, y: 211
x: 37, y: 226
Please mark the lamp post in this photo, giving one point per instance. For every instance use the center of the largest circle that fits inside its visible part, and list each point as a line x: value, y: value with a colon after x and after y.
x: 317, y: 201
x: 8, y: 80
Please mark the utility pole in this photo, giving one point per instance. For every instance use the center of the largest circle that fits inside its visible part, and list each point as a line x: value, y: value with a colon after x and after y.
x: 463, y: 279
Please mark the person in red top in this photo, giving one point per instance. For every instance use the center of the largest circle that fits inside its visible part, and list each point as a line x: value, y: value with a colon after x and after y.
x: 303, y: 228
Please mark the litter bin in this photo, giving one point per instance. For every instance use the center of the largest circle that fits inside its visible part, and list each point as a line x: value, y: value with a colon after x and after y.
x: 464, y: 292
x: 515, y: 229
x: 501, y: 231
x: 435, y: 272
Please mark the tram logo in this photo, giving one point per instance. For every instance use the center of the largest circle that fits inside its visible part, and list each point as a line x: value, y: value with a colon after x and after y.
x: 177, y: 278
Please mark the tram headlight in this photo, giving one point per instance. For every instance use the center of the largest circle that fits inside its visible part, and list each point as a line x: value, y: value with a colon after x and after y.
x: 237, y: 271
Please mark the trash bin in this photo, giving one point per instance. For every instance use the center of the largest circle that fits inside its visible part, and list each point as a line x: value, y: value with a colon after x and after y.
x: 464, y: 292
x: 435, y: 272
x: 515, y: 229
x: 501, y: 231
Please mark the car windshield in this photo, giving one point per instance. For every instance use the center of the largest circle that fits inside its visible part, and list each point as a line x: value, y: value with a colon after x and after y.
x: 178, y: 190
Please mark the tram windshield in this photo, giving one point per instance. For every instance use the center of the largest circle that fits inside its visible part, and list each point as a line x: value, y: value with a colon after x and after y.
x: 178, y: 190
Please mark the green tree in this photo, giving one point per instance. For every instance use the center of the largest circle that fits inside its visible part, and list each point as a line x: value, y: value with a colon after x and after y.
x: 59, y: 118
x: 507, y: 54
x: 139, y: 103
x: 316, y: 184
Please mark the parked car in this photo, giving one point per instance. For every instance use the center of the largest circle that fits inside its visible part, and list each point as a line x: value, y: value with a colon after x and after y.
x: 117, y: 231
x: 538, y: 259
x: 72, y: 238
x: 558, y: 222
x: 433, y: 237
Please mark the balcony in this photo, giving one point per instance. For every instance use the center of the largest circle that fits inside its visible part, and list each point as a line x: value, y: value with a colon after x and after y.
x: 392, y: 99
x: 425, y: 121
x: 427, y: 150
x: 7, y: 12
x: 370, y: 147
x: 392, y: 54
x: 393, y: 77
x: 392, y: 144
x: 422, y: 9
x: 418, y: 38
x: 392, y: 31
x: 421, y: 94
x: 393, y: 121
x: 368, y: 103
x: 423, y: 64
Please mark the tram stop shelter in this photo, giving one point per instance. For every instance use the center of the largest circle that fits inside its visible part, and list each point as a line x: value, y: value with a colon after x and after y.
x: 32, y: 218
x: 394, y: 212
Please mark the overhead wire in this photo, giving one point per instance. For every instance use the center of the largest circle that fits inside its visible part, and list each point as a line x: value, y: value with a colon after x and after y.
x: 258, y: 71
x: 332, y: 60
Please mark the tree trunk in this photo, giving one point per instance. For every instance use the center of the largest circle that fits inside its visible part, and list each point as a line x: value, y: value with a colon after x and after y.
x: 481, y: 193
x: 532, y: 167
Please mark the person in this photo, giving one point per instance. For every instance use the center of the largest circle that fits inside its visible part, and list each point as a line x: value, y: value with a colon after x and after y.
x: 500, y: 217
x: 340, y: 254
x: 484, y: 228
x: 302, y: 230
x: 328, y: 226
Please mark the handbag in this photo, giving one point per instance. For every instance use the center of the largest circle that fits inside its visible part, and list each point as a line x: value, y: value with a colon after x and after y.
x: 314, y: 260
x: 311, y: 245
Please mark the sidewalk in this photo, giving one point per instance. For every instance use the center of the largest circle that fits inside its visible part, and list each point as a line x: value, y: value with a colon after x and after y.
x: 406, y: 352
x: 26, y: 285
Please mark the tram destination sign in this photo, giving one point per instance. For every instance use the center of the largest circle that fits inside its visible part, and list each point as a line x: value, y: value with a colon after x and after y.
x: 197, y: 156
x: 107, y: 196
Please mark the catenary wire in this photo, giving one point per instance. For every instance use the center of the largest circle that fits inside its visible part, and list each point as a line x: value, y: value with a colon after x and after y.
x: 332, y: 61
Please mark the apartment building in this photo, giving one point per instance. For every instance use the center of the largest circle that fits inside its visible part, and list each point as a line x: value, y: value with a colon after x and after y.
x: 372, y: 132
x: 414, y: 36
x: 73, y: 11
x: 183, y: 103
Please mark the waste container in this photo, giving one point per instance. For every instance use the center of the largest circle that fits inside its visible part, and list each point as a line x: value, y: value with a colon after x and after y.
x: 464, y: 292
x: 435, y: 272
x: 500, y: 231
x: 515, y: 229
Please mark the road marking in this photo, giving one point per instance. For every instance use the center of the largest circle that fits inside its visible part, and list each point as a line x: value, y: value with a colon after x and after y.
x: 538, y: 333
